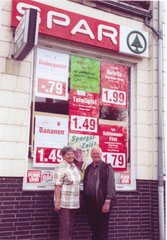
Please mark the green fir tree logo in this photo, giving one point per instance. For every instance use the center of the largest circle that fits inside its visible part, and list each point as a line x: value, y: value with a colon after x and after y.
x: 136, y: 46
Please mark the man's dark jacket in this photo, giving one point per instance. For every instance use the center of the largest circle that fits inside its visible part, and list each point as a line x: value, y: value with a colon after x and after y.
x: 101, y: 192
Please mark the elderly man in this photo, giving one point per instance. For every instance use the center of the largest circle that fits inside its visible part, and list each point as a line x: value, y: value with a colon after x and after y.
x: 99, y: 192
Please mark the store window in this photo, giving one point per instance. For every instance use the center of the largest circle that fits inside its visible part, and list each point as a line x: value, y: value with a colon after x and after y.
x: 82, y: 101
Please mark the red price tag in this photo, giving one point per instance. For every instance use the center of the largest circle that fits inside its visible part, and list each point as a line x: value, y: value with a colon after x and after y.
x: 83, y: 124
x: 51, y: 87
x: 114, y: 96
x: 117, y: 160
x: 48, y: 155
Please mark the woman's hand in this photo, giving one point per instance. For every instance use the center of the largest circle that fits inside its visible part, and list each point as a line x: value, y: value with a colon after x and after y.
x: 57, y: 207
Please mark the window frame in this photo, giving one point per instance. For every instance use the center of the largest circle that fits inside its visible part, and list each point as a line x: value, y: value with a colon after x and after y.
x: 102, y: 55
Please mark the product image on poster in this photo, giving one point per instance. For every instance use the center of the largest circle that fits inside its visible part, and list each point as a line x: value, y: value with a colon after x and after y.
x: 51, y: 135
x: 47, y: 177
x: 113, y: 142
x: 85, y: 74
x: 114, y: 80
x: 85, y: 102
x: 83, y: 144
x: 83, y: 124
x: 51, y: 80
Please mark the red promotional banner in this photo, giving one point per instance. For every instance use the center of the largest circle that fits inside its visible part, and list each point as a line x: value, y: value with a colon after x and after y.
x: 48, y: 155
x: 85, y: 102
x: 34, y: 176
x: 113, y: 142
x: 114, y: 79
x: 54, y: 88
x: 125, y: 178
x: 83, y: 124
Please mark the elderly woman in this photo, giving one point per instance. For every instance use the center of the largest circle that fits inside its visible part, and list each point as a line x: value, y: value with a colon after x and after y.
x: 66, y: 180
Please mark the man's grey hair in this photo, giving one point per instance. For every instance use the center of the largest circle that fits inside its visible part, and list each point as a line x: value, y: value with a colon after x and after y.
x: 66, y: 149
x: 97, y: 148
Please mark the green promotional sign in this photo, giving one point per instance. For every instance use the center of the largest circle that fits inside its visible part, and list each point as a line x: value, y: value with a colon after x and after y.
x: 85, y: 74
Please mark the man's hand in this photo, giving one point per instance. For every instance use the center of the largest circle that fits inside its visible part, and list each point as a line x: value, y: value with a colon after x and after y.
x: 106, y: 207
x: 57, y: 207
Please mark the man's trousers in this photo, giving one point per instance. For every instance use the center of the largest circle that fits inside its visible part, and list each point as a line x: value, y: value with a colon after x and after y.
x: 98, y: 222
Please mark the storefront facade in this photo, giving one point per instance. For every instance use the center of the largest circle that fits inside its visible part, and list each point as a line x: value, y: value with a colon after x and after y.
x: 90, y: 80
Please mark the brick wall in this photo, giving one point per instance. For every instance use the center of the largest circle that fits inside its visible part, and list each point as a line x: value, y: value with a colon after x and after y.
x: 30, y: 215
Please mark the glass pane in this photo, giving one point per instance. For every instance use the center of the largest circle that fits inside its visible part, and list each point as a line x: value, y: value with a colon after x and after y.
x: 51, y: 105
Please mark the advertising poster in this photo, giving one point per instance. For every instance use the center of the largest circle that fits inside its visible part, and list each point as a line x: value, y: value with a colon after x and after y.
x: 34, y: 176
x: 83, y: 144
x: 40, y: 177
x: 85, y: 74
x: 85, y: 102
x: 51, y: 134
x: 82, y: 124
x: 114, y: 79
x: 125, y: 178
x: 51, y: 80
x: 113, y: 142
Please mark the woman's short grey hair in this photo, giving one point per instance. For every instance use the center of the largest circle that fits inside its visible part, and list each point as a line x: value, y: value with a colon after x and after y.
x: 66, y: 149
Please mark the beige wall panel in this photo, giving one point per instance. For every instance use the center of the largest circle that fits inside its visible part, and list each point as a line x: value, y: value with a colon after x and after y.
x: 14, y: 83
x: 143, y: 76
x: 6, y: 5
x: 155, y: 106
x: 144, y: 131
x: 145, y: 172
x: 13, y: 150
x: 144, y: 117
x: 145, y: 158
x: 6, y: 34
x: 144, y: 144
x: 144, y: 89
x: 155, y: 89
x: 4, y: 49
x: 13, y: 133
x: 6, y: 18
x: 18, y: 68
x: 144, y: 64
x: 14, y: 100
x: 155, y: 144
x: 18, y: 117
x: 12, y: 168
x: 2, y: 64
x: 155, y: 115
x: 144, y: 103
x: 155, y: 173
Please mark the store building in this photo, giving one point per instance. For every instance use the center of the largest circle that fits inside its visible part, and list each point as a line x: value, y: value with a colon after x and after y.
x: 93, y: 76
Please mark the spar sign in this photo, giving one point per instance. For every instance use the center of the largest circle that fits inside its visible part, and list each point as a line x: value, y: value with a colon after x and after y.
x: 79, y: 28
